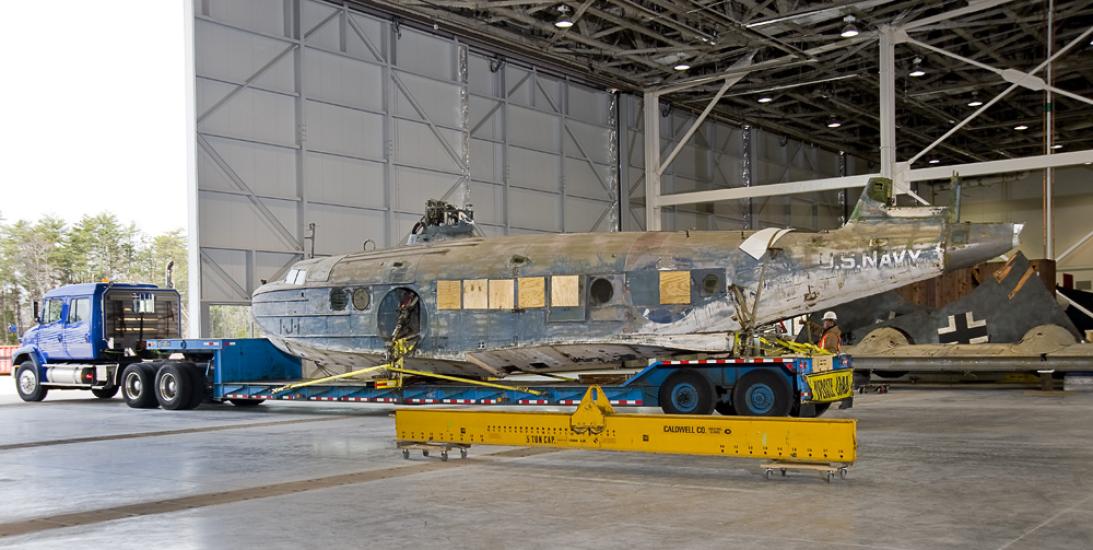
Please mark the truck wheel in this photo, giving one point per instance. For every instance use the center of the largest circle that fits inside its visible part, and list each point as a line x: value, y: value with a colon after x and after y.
x: 686, y: 392
x: 725, y: 408
x: 762, y: 393
x: 174, y: 386
x: 245, y: 403
x: 27, y: 383
x: 105, y: 393
x: 199, y: 392
x: 137, y: 383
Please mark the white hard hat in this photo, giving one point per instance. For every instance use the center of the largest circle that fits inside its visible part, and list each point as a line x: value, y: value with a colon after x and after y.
x: 830, y: 316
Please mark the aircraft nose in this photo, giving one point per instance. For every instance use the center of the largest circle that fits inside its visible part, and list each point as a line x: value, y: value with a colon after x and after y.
x: 968, y: 244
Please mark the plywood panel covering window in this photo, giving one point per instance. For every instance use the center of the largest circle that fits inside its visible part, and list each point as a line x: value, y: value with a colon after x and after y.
x: 532, y: 292
x: 502, y: 292
x: 447, y: 295
x: 675, y: 287
x: 565, y: 291
x: 475, y: 295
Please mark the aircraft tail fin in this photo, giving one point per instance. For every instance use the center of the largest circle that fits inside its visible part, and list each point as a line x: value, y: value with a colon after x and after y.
x: 875, y: 200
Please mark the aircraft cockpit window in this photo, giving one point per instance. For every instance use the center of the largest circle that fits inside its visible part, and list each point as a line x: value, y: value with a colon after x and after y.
x: 301, y: 276
x: 290, y: 278
x: 338, y: 299
x: 600, y: 292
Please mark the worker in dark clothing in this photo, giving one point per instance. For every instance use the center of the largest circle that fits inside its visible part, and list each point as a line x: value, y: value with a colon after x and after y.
x: 831, y: 337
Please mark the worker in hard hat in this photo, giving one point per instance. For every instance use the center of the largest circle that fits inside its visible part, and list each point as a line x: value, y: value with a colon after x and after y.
x: 831, y: 337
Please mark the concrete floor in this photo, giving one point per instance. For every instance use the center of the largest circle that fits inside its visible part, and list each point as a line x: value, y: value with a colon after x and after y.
x: 939, y: 468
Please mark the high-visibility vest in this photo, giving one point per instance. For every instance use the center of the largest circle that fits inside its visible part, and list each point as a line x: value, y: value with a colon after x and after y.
x: 823, y: 341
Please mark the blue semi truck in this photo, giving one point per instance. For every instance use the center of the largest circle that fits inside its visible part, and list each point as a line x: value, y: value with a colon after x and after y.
x: 104, y: 337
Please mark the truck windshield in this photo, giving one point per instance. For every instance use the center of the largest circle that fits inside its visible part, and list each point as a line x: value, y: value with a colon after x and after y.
x: 133, y: 316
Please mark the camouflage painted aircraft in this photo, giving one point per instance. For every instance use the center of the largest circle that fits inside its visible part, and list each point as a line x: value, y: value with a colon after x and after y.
x: 542, y: 303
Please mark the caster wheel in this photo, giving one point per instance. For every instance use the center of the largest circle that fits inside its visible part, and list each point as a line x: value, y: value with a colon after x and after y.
x: 406, y: 454
x: 462, y: 453
x: 443, y: 456
x: 783, y: 472
x: 769, y: 474
x: 424, y: 453
x: 842, y: 473
x: 829, y: 476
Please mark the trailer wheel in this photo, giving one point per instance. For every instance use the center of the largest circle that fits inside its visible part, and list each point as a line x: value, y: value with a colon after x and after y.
x: 174, y: 387
x: 725, y: 408
x: 199, y: 389
x: 686, y: 392
x: 762, y: 393
x: 137, y: 383
x: 105, y: 393
x: 246, y: 403
x: 28, y: 384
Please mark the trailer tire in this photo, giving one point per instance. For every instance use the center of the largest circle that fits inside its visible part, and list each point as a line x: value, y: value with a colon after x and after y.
x: 138, y: 386
x: 174, y: 386
x: 762, y: 393
x: 686, y: 392
x: 246, y: 403
x: 105, y: 393
x: 200, y: 390
x: 28, y: 383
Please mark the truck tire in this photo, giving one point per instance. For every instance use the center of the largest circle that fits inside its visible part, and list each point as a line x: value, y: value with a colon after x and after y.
x: 174, y: 386
x: 686, y: 392
x: 200, y: 391
x: 762, y: 393
x: 138, y: 386
x: 28, y: 384
x: 105, y: 393
x: 245, y: 403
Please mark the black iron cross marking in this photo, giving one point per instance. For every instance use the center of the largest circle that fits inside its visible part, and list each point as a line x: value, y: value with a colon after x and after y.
x: 963, y: 329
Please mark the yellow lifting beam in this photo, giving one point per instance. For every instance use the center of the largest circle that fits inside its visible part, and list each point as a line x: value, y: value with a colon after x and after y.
x: 790, y: 442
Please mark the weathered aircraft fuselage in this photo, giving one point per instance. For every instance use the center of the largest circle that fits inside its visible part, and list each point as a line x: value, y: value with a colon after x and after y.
x: 569, y: 301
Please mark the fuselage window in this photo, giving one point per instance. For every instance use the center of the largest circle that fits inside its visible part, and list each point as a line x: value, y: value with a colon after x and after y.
x: 361, y: 299
x: 600, y: 292
x: 338, y: 299
x: 711, y: 284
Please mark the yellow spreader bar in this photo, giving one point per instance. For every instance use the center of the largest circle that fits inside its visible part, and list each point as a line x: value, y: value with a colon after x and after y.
x: 595, y: 426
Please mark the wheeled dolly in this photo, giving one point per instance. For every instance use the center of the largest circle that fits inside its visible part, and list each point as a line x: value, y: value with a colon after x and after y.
x: 828, y: 471
x: 425, y: 448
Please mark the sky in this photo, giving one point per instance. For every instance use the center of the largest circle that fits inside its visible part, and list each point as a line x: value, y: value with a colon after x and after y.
x: 93, y: 111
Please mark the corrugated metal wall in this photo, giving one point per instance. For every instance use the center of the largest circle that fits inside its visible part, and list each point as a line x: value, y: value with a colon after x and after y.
x: 311, y: 113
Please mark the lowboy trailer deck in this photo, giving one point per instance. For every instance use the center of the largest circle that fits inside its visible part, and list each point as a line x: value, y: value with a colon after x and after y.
x: 249, y: 371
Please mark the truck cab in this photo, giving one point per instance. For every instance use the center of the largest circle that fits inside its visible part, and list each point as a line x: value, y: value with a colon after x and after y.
x: 86, y: 334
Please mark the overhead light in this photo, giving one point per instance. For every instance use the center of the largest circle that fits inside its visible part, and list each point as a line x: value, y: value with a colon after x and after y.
x: 682, y: 67
x: 765, y: 99
x: 934, y: 161
x: 563, y: 22
x: 974, y: 103
x: 850, y: 30
x: 1057, y: 146
x: 1020, y: 127
x: 916, y: 68
x: 834, y: 123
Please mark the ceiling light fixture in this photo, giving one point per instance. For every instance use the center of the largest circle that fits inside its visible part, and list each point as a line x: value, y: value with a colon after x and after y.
x: 916, y: 68
x: 563, y: 22
x: 850, y: 30
x: 1057, y: 146
x: 974, y: 103
x: 765, y: 99
x: 1020, y: 127
x: 682, y: 67
x: 934, y: 161
x: 834, y: 123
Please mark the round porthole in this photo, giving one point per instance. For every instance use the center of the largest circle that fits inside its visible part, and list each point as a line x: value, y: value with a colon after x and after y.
x: 338, y: 299
x: 600, y: 292
x: 361, y: 299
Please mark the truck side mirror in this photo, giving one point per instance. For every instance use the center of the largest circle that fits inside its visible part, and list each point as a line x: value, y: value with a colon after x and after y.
x: 37, y: 315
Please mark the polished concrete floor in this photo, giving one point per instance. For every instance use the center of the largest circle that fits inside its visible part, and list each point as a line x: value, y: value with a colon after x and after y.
x: 938, y: 468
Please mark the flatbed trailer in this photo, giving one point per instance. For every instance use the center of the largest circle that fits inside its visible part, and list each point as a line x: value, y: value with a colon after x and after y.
x: 248, y: 371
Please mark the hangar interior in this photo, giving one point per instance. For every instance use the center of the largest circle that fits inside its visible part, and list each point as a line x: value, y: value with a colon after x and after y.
x: 322, y: 127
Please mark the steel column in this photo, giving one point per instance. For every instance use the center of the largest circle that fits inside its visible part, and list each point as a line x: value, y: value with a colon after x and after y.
x: 193, y: 243
x: 887, y: 52
x: 651, y: 115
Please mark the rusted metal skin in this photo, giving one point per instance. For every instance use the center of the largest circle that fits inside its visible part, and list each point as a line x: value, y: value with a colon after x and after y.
x: 879, y: 249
